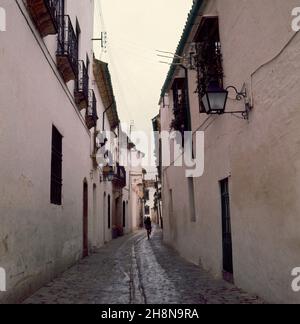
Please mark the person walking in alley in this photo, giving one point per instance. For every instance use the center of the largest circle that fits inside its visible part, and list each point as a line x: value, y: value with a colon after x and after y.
x: 148, y: 226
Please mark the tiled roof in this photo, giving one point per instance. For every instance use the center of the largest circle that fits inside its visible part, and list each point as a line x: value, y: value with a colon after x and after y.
x: 104, y: 83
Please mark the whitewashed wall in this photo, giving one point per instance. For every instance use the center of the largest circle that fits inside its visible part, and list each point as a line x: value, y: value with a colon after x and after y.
x: 39, y: 240
x: 260, y: 157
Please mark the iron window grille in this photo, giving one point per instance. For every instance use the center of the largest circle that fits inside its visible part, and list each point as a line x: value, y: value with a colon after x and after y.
x: 208, y: 57
x: 180, y: 121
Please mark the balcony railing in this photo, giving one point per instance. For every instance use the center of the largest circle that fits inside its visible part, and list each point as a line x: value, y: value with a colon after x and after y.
x: 67, y: 49
x: 119, y: 178
x: 91, y: 112
x: 81, y: 92
x: 45, y: 14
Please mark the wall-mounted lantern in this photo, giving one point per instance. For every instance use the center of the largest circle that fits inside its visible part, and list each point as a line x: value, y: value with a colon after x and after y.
x: 215, y: 99
x: 108, y: 173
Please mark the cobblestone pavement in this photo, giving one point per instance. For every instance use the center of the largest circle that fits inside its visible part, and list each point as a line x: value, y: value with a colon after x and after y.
x: 133, y: 270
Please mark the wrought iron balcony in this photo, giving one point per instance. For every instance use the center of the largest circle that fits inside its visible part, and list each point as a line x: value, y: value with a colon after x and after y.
x: 119, y: 178
x: 81, y: 92
x: 91, y: 116
x: 67, y: 49
x: 45, y: 14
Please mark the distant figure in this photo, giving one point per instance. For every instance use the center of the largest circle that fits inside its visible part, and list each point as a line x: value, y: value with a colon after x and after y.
x: 148, y: 226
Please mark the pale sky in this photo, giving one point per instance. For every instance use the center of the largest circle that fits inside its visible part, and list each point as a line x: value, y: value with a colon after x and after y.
x: 136, y: 29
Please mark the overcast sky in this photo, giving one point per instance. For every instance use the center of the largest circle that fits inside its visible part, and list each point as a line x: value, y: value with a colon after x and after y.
x: 136, y: 29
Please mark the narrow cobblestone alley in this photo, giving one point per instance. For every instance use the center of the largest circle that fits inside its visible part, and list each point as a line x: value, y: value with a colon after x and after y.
x: 133, y: 270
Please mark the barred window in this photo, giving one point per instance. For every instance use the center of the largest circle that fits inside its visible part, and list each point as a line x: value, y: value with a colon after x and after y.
x: 180, y: 121
x: 56, y: 168
x: 208, y: 56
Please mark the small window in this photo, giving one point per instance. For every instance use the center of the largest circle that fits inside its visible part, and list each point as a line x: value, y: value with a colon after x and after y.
x: 56, y: 168
x: 124, y: 214
x: 180, y: 121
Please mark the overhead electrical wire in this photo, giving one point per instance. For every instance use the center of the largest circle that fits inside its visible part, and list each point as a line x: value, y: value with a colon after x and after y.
x: 135, y: 51
x: 135, y: 54
x: 130, y: 43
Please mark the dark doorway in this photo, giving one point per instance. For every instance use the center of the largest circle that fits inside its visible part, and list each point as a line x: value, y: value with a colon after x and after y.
x: 108, y: 212
x: 124, y: 214
x: 56, y: 168
x: 85, y: 221
x: 226, y: 230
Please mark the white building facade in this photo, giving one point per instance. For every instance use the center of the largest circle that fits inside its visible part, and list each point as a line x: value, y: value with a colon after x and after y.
x: 240, y: 219
x: 55, y: 206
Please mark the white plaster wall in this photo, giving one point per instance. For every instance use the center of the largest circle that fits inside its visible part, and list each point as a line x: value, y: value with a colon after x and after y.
x: 38, y: 240
x: 260, y: 157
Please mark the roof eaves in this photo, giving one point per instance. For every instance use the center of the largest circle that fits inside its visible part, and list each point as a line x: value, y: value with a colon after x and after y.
x: 179, y: 51
x: 112, y: 114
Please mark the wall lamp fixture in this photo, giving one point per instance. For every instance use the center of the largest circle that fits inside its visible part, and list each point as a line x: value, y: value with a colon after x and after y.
x: 215, y: 99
